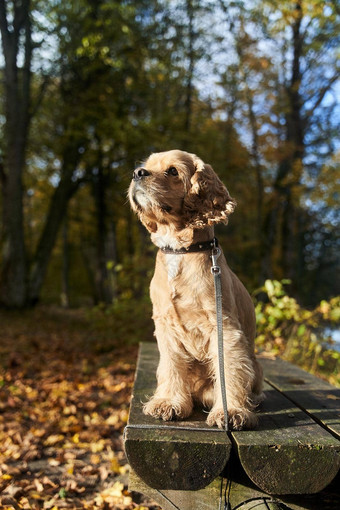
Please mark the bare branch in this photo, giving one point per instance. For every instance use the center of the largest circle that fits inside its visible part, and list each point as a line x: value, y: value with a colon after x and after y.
x: 321, y: 95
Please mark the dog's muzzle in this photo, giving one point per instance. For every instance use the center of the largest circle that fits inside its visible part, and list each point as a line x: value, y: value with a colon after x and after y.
x: 139, y: 174
x: 139, y: 195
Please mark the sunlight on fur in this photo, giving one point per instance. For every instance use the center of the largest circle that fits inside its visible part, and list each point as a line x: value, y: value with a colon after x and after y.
x: 179, y: 199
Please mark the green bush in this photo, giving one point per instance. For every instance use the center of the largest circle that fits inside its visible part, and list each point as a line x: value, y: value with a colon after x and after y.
x: 297, y: 334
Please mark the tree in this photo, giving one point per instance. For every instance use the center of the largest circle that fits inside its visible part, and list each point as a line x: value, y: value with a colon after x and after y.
x: 129, y: 78
x: 94, y: 61
x: 285, y: 59
x: 310, y: 34
x: 16, y: 36
x: 19, y: 283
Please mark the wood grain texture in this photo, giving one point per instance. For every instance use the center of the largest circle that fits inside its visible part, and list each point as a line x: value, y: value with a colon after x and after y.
x: 171, y: 455
x: 319, y: 398
x: 243, y: 496
x: 207, y: 498
x: 290, y: 452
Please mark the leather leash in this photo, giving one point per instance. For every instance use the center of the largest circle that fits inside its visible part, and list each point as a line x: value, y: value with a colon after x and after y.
x: 216, y: 271
x: 199, y: 247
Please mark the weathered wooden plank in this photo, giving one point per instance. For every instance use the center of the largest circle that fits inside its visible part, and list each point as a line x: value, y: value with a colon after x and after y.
x: 320, y: 399
x: 204, y: 499
x: 243, y: 495
x: 289, y: 453
x: 174, y: 455
x: 175, y: 459
x: 207, y: 498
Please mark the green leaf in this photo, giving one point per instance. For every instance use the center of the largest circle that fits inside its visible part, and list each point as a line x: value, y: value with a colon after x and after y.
x: 301, y: 330
x: 269, y: 286
x: 62, y: 493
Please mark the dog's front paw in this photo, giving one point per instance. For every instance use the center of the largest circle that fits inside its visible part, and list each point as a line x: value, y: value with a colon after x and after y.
x: 166, y: 409
x: 216, y: 417
x: 238, y: 419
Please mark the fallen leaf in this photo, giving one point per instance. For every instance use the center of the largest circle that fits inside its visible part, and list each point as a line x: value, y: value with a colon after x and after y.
x: 39, y: 486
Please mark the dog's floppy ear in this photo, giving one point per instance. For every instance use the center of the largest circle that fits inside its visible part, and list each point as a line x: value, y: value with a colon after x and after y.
x: 150, y: 225
x: 208, y: 201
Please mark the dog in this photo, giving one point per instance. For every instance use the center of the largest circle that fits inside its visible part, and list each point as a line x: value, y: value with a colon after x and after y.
x: 179, y: 199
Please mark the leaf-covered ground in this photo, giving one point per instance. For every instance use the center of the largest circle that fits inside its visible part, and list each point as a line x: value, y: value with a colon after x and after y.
x: 64, y: 395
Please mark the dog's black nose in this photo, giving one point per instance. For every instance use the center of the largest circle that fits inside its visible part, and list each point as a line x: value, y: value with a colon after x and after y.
x: 139, y: 173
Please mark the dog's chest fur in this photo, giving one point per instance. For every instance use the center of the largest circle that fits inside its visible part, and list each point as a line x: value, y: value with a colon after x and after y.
x: 174, y: 264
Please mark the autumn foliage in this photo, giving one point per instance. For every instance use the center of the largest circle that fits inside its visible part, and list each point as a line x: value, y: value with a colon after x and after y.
x: 88, y: 89
x: 297, y: 334
x: 65, y: 389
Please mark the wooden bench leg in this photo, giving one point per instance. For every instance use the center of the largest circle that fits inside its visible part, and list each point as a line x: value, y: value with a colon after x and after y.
x: 243, y: 496
x: 208, y: 498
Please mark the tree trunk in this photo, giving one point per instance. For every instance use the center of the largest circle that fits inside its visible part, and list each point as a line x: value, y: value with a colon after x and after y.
x: 65, y: 288
x: 13, y: 270
x: 190, y: 73
x: 240, y: 38
x: 65, y: 190
x: 101, y: 278
x: 88, y: 253
x: 255, y: 155
x: 283, y: 216
x: 103, y: 282
x: 291, y: 169
x: 17, y: 104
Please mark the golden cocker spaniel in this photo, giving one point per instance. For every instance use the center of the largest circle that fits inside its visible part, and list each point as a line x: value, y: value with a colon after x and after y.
x: 179, y: 199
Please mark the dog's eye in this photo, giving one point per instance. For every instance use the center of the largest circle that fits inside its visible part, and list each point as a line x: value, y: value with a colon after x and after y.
x: 172, y: 171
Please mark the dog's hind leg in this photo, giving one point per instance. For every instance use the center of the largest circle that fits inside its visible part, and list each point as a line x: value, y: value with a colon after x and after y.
x: 240, y: 377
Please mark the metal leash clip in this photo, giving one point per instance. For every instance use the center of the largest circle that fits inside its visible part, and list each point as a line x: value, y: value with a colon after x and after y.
x: 216, y: 252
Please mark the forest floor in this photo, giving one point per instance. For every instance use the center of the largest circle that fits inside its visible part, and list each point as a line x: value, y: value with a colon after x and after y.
x: 65, y: 387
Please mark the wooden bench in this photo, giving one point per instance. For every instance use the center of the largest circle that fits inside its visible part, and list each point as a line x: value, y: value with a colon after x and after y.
x: 295, y: 451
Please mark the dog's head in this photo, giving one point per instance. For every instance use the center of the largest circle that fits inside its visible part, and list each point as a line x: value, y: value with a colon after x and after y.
x: 176, y: 188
